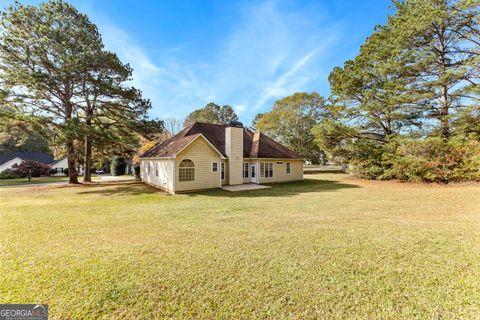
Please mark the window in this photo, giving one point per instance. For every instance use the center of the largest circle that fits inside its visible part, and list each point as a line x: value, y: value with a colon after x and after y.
x: 223, y: 170
x: 245, y: 169
x: 214, y: 166
x: 156, y: 169
x: 288, y: 169
x: 186, y: 170
x: 266, y: 169
x: 148, y: 168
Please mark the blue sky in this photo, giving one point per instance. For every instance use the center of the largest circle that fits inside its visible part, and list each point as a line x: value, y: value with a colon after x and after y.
x: 243, y: 53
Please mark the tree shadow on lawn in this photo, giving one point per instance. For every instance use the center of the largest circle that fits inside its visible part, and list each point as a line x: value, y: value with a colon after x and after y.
x: 117, y: 188
x: 132, y: 188
x: 284, y: 189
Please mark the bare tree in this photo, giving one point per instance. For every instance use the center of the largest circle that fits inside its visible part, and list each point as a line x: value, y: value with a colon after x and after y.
x: 172, y: 125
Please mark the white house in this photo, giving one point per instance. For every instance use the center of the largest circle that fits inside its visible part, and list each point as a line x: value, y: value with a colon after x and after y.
x: 62, y: 165
x: 9, y: 159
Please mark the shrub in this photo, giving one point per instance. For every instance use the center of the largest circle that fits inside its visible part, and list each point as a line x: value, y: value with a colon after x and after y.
x: 8, y: 174
x: 118, y: 166
x: 430, y: 160
x: 30, y: 169
x: 137, y: 172
x: 436, y: 160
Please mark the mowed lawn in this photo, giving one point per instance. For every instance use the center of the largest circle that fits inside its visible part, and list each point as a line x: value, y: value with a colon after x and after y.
x: 328, y: 247
x: 34, y: 180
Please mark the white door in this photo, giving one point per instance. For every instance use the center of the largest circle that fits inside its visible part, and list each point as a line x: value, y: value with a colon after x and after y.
x: 253, y: 173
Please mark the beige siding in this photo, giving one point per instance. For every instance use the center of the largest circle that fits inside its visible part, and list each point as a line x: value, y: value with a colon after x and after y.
x: 234, y: 151
x: 165, y: 178
x: 280, y: 171
x: 202, y: 155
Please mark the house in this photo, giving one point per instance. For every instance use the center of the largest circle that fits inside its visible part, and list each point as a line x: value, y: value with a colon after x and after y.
x: 205, y: 156
x: 9, y: 159
x: 61, y: 166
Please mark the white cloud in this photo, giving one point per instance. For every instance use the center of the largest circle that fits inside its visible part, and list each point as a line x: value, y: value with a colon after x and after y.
x: 271, y: 52
x: 240, y: 108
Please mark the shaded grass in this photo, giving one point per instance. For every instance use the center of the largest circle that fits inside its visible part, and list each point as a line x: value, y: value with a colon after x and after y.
x: 327, y: 247
x: 36, y: 180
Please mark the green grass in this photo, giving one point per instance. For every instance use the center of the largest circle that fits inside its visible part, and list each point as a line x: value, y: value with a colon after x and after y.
x: 19, y: 181
x: 329, y: 247
x: 36, y: 180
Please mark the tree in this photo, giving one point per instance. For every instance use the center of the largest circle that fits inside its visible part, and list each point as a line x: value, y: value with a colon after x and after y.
x: 172, y: 125
x: 256, y: 119
x: 113, y: 113
x: 291, y: 120
x: 118, y: 166
x: 20, y: 134
x: 44, y: 52
x: 420, y: 67
x: 212, y: 113
x: 444, y: 38
x: 31, y: 169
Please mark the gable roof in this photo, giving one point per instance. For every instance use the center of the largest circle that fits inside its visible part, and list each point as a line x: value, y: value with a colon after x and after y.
x: 255, y: 145
x: 26, y: 155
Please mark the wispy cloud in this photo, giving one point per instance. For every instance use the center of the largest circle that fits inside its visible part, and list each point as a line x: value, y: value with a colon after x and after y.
x: 272, y: 51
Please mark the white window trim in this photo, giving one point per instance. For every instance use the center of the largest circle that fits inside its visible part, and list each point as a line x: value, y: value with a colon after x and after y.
x: 180, y: 169
x: 288, y: 168
x: 247, y: 171
x: 266, y: 166
x: 213, y: 162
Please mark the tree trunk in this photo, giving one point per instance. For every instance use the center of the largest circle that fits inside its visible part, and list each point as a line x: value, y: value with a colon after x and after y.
x: 87, y: 175
x: 444, y: 113
x: 444, y: 102
x: 72, y: 168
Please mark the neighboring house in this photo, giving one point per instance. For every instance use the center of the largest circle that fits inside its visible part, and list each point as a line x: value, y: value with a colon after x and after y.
x: 204, y: 156
x: 7, y: 160
x: 62, y: 167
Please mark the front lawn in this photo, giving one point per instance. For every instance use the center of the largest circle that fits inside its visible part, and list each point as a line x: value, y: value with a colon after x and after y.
x: 329, y: 247
x: 35, y: 180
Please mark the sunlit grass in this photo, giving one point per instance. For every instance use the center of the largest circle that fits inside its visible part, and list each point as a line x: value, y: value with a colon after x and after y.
x: 327, y: 247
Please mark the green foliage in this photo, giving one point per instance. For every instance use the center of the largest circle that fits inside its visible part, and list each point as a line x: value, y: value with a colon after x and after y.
x: 54, y: 67
x: 291, y: 120
x: 212, y: 113
x: 407, y: 106
x: 118, y: 166
x: 433, y: 160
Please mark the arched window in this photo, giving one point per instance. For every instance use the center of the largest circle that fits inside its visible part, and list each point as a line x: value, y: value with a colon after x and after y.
x: 186, y: 170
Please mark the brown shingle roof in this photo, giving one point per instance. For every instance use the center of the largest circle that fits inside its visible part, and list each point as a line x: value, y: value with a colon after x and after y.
x: 255, y: 145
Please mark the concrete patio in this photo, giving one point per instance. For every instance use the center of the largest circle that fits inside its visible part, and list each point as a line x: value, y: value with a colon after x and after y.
x: 245, y: 187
